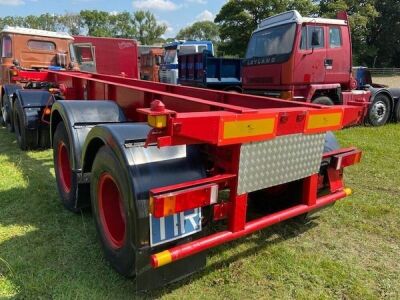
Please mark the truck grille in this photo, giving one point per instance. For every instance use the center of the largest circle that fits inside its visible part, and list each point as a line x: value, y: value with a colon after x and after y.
x: 281, y: 160
x: 164, y: 77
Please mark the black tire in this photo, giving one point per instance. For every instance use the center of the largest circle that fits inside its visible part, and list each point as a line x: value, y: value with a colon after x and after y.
x: 6, y: 113
x: 379, y: 111
x: 111, y: 208
x: 397, y: 112
x: 26, y: 139
x: 67, y: 181
x: 323, y: 100
x: 44, y: 138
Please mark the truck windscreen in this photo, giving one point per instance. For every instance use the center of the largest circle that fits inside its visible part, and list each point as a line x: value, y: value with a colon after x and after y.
x: 272, y: 45
x: 170, y: 56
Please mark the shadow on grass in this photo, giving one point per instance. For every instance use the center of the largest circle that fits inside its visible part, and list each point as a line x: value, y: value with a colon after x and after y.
x: 49, y: 252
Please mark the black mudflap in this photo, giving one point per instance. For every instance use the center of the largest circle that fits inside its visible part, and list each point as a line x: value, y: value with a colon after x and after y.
x: 148, y: 278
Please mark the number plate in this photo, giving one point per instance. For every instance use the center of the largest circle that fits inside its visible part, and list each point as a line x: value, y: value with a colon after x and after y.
x: 174, y: 227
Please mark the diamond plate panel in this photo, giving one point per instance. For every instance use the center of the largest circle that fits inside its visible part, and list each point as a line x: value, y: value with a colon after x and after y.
x: 283, y: 159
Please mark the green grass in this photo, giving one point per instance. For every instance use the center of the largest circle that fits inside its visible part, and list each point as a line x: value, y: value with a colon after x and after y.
x: 352, y: 251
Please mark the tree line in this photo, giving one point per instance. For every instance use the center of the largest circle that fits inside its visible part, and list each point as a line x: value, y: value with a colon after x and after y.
x: 141, y: 25
x: 374, y: 24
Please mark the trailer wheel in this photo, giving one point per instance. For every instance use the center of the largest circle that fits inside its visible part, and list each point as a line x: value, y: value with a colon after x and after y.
x: 379, y: 111
x: 6, y: 113
x: 26, y: 139
x: 2, y: 122
x: 397, y: 112
x: 110, y: 206
x: 323, y: 100
x: 67, y: 180
x: 44, y: 138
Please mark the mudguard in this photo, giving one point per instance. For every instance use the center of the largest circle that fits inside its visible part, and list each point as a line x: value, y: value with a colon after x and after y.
x: 395, y: 92
x: 33, y: 98
x: 387, y: 92
x: 32, y: 102
x: 10, y: 89
x: 147, y: 168
x: 79, y: 117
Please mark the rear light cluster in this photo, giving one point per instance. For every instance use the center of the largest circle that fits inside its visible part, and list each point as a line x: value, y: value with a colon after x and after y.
x: 171, y: 203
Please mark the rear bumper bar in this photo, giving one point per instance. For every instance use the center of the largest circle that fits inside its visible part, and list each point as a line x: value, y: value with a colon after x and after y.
x: 185, y: 250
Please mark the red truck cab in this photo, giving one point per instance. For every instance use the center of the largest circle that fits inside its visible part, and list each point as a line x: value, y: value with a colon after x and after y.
x: 150, y: 61
x: 293, y: 57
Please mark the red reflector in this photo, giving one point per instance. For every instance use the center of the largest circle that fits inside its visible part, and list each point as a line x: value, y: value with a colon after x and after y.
x: 170, y: 203
x: 347, y: 159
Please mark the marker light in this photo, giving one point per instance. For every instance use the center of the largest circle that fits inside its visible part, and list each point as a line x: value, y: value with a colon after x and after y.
x: 171, y: 203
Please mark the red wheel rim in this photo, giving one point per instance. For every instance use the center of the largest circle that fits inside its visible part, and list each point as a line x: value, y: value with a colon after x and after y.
x: 64, y: 168
x: 111, y: 211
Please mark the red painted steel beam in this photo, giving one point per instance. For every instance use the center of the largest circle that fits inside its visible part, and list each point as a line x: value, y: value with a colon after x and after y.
x: 185, y: 250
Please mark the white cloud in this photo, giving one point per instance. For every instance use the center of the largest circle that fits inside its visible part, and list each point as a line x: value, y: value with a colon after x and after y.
x: 12, y: 2
x: 197, y: 1
x: 206, y: 15
x: 170, y: 32
x: 155, y: 4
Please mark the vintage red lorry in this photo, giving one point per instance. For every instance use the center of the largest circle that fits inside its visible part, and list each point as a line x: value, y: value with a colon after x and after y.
x: 23, y: 53
x: 310, y: 59
x: 26, y: 51
x: 150, y: 61
x: 172, y: 171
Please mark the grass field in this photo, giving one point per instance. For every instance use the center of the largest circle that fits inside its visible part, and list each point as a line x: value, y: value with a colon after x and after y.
x: 352, y: 251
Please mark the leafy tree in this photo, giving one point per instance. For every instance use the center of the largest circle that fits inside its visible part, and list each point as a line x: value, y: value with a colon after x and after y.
x: 11, y: 21
x: 238, y: 19
x: 205, y: 30
x: 122, y: 25
x: 148, y: 30
x: 384, y: 35
x: 97, y: 22
x: 71, y: 22
x: 361, y: 15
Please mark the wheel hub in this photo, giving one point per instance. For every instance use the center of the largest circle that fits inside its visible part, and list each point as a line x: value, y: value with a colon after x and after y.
x: 111, y: 211
x: 64, y: 169
x: 379, y: 111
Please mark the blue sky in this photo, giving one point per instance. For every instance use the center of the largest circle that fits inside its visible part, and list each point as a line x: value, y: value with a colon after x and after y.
x: 175, y: 13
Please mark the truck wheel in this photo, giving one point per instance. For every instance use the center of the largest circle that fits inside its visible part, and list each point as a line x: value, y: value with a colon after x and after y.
x: 26, y: 139
x: 397, y: 112
x: 323, y: 100
x: 6, y: 113
x: 379, y: 111
x: 44, y: 138
x: 2, y: 123
x: 110, y: 206
x: 67, y: 181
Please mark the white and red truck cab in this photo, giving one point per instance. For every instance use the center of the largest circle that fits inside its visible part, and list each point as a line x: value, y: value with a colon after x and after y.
x: 310, y: 59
